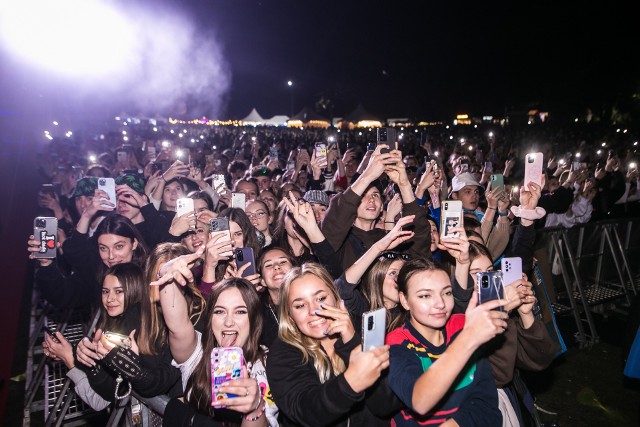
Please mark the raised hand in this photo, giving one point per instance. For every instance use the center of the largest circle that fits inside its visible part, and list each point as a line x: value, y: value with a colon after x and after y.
x: 365, y: 367
x: 340, y: 321
x: 483, y: 322
x: 397, y: 235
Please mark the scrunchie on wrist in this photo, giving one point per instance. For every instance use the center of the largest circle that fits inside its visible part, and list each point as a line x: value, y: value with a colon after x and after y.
x: 530, y: 214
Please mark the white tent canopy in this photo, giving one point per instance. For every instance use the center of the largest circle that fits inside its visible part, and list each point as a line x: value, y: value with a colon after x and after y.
x: 253, y: 119
x: 277, y: 121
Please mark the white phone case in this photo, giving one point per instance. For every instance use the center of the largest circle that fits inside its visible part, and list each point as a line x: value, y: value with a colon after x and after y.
x: 238, y: 200
x: 108, y: 185
x: 184, y: 205
x: 374, y: 328
x: 451, y: 216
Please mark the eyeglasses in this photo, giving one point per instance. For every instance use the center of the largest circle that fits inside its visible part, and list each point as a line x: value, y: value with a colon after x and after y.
x: 258, y: 214
x: 395, y: 255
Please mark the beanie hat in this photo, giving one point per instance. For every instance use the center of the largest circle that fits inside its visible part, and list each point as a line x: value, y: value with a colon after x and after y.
x: 317, y: 197
x: 86, y: 186
x: 133, y: 181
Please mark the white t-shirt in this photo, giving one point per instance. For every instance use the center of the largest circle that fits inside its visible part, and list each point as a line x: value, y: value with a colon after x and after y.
x: 256, y: 370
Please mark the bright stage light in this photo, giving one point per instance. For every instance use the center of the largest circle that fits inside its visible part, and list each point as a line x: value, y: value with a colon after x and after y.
x: 84, y: 38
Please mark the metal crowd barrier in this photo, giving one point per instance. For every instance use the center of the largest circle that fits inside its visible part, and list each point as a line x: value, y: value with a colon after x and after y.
x: 593, y: 261
x: 49, y: 391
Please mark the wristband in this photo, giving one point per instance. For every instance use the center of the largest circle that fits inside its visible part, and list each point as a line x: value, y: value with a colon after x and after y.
x: 505, y: 213
x: 260, y: 414
x: 491, y: 208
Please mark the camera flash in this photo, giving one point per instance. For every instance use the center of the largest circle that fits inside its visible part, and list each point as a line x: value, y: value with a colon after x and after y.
x: 92, y: 158
x: 632, y: 165
x: 578, y: 155
x: 179, y: 153
x: 166, y: 144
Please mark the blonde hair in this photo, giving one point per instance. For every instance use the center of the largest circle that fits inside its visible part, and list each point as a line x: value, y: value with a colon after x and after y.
x: 289, y: 332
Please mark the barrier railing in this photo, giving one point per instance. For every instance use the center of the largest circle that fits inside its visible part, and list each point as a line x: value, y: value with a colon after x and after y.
x: 50, y: 391
x: 593, y: 262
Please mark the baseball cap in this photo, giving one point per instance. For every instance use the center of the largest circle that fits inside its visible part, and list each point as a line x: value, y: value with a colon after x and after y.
x: 465, y: 179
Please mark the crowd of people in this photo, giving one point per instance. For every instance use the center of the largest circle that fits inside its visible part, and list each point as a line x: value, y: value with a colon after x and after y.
x: 336, y: 230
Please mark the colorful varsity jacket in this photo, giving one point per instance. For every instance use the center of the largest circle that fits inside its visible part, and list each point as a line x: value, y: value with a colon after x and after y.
x: 472, y: 400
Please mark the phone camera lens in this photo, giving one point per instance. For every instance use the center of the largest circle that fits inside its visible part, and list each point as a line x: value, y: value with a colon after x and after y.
x: 103, y: 182
x: 239, y: 255
x: 485, y: 282
x: 370, y: 324
x: 446, y: 206
x: 41, y: 223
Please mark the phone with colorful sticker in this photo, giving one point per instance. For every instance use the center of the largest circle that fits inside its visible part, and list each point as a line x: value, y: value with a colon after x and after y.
x: 45, y: 229
x: 226, y: 365
x: 450, y: 217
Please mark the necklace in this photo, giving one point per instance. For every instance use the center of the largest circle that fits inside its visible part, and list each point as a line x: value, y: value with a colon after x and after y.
x: 273, y: 313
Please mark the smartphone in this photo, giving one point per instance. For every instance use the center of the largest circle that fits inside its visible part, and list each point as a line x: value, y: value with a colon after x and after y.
x: 490, y: 287
x: 151, y: 151
x: 221, y: 225
x: 497, y: 181
x: 575, y: 166
x: 464, y: 167
x: 273, y: 154
x: 387, y: 136
x: 488, y: 167
x: 155, y: 167
x: 374, y: 328
x: 226, y: 365
x: 371, y: 146
x: 120, y: 339
x: 533, y: 169
x: 238, y: 200
x: 184, y: 205
x: 511, y: 270
x: 48, y: 188
x: 51, y: 333
x: 321, y: 153
x: 108, y: 185
x: 45, y: 229
x: 291, y: 165
x: 450, y: 217
x: 245, y: 256
x: 219, y: 181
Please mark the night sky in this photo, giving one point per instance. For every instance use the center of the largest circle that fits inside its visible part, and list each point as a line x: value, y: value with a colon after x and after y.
x: 423, y: 60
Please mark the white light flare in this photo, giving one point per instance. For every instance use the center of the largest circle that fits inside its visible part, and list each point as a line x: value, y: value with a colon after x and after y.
x: 84, y: 38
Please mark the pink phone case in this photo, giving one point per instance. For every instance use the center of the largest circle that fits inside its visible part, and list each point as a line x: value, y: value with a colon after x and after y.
x: 226, y: 365
x: 533, y: 169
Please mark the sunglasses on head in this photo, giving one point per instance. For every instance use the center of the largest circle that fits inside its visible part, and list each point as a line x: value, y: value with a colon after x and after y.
x: 395, y: 255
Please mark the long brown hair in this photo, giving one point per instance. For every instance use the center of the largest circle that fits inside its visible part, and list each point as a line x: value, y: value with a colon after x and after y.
x: 153, y: 331
x: 129, y: 277
x: 198, y: 386
x: 372, y: 283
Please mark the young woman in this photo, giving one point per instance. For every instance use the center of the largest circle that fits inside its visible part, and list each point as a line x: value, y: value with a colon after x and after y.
x: 307, y: 368
x: 261, y: 218
x: 270, y: 198
x: 233, y: 318
x: 274, y: 264
x: 147, y: 364
x: 526, y: 342
x: 434, y: 368
x: 243, y: 235
x: 115, y: 241
x: 122, y: 293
